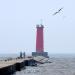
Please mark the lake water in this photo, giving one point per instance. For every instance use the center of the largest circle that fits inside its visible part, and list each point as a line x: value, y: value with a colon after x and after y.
x: 62, y: 64
x: 50, y: 55
x: 59, y: 66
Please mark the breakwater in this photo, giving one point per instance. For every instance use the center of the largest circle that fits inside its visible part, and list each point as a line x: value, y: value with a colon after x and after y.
x: 11, y: 66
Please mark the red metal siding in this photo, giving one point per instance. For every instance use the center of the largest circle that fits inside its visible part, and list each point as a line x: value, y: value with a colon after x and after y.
x: 39, y: 39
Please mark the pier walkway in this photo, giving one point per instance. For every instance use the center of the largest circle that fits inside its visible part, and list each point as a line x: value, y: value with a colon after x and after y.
x: 9, y: 67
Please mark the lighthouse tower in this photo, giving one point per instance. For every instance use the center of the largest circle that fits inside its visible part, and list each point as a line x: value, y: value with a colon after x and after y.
x: 39, y: 39
x: 40, y: 42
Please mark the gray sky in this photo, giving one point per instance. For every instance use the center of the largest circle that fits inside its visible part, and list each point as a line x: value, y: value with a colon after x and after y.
x: 18, y: 19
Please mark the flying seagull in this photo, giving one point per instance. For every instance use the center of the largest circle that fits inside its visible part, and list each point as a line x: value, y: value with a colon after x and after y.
x: 57, y: 11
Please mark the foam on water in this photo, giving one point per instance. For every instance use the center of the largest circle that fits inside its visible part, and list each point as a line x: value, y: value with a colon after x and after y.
x: 59, y: 66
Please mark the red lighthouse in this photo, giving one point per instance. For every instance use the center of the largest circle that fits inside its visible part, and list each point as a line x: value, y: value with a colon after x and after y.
x: 39, y: 39
x: 40, y: 42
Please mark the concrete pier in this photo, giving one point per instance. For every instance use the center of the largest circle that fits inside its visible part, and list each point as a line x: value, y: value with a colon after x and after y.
x: 8, y: 70
x: 10, y: 67
x: 44, y: 54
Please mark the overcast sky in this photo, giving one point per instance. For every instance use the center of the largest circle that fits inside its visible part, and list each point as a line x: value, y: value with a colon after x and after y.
x: 18, y: 20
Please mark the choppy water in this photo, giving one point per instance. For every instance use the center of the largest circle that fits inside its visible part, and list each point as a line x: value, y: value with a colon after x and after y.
x: 59, y: 66
x: 7, y: 56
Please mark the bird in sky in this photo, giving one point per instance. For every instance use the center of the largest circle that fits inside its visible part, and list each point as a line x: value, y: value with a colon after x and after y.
x: 58, y: 11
